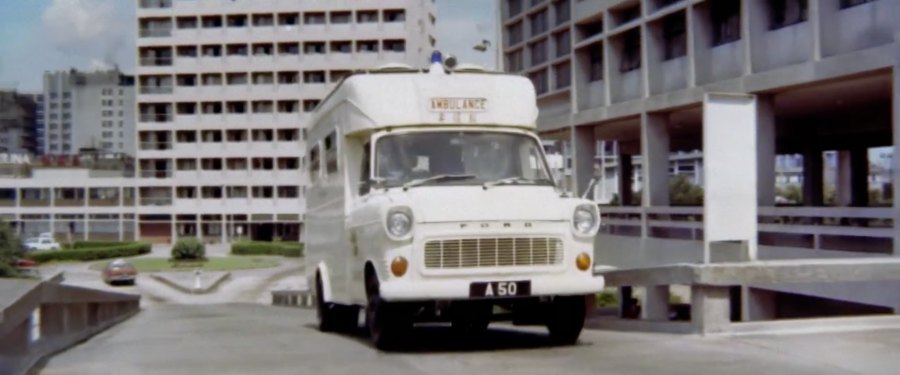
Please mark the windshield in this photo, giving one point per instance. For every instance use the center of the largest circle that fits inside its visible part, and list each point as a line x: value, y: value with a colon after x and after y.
x: 459, y: 158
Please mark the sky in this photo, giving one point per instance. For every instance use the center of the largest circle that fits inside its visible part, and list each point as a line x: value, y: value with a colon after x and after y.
x: 41, y: 35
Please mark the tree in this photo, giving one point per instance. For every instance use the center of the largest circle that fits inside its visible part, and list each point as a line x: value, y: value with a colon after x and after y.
x: 10, y: 249
x: 682, y: 192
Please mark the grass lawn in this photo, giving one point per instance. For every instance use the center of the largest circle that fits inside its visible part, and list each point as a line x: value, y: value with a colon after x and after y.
x: 213, y: 264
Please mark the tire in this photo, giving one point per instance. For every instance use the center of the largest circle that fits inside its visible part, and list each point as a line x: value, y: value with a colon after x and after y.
x: 385, y: 321
x: 325, y: 311
x: 566, y: 319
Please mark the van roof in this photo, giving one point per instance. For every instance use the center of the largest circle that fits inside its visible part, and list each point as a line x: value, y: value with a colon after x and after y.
x: 400, y: 96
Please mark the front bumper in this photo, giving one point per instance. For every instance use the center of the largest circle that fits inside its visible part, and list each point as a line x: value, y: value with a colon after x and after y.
x: 543, y: 285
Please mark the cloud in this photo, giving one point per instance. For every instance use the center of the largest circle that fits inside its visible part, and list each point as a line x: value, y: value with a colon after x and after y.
x: 86, y: 28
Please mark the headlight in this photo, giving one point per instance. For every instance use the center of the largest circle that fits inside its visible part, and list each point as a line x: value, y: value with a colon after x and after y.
x: 399, y: 222
x: 584, y: 219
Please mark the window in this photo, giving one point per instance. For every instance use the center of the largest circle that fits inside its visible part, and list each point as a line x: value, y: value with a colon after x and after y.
x: 852, y: 3
x: 289, y: 19
x: 563, y: 43
x: 314, y: 77
x: 784, y: 13
x: 365, y: 179
x: 563, y: 75
x: 563, y: 11
x: 631, y: 51
x: 310, y: 105
x: 288, y: 192
x: 331, y: 154
x: 314, y: 48
x: 539, y: 23
x: 394, y: 15
x: 366, y: 16
x: 340, y: 17
x: 514, y: 33
x: 726, y: 21
x: 539, y: 79
x: 514, y: 6
x: 314, y: 18
x: 314, y: 163
x: 262, y: 192
x: 343, y: 46
x: 367, y: 46
x: 514, y: 61
x: 397, y: 45
x: 538, y: 52
x: 674, y: 37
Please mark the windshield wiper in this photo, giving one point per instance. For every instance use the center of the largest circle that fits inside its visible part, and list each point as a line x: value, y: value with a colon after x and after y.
x: 511, y: 181
x: 440, y: 177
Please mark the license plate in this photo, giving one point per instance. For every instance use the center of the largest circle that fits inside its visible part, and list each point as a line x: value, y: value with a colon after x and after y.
x: 500, y: 289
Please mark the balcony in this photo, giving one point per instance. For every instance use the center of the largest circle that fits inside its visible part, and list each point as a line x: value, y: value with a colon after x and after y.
x: 156, y: 90
x: 154, y: 4
x: 156, y: 61
x: 155, y: 33
x: 155, y: 117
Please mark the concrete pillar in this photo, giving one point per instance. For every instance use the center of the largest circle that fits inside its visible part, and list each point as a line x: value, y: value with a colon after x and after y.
x: 52, y: 204
x: 583, y: 147
x: 765, y: 150
x: 121, y: 227
x: 812, y: 175
x: 53, y: 320
x: 655, y: 157
x: 223, y: 230
x: 710, y: 308
x: 626, y: 305
x: 173, y: 229
x: 895, y: 167
x: 626, y: 172
x: 859, y: 176
x: 656, y: 303
x: 843, y: 196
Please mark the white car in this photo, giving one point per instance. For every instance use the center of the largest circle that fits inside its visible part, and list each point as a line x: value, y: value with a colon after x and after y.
x: 41, y: 243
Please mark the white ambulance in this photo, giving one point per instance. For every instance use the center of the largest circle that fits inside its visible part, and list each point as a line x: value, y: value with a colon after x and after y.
x: 430, y: 200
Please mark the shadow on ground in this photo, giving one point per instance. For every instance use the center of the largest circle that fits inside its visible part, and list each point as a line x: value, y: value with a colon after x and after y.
x: 441, y: 338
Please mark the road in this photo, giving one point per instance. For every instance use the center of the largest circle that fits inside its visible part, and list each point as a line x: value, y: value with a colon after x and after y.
x: 258, y: 339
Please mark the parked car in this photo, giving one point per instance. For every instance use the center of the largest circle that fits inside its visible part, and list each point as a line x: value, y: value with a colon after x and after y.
x: 119, y: 271
x: 41, y: 243
x: 26, y: 267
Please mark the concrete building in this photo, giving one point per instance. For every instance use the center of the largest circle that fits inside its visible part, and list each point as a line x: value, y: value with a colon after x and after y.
x: 826, y: 75
x: 88, y: 110
x: 225, y: 88
x: 17, y: 123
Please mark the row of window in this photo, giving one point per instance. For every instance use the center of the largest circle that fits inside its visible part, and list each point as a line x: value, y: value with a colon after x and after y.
x: 160, y: 139
x: 280, y: 19
x: 163, y: 112
x: 156, y: 56
x: 162, y: 84
x: 238, y: 164
x: 216, y: 192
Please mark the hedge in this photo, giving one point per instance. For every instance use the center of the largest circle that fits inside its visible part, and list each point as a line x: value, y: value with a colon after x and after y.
x: 97, y: 244
x: 288, y: 249
x: 113, y: 250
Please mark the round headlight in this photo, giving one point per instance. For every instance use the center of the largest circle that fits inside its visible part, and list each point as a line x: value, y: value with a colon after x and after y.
x: 584, y: 219
x: 399, y: 223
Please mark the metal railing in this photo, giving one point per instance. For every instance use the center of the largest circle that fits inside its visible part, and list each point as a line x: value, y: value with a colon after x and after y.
x: 39, y: 318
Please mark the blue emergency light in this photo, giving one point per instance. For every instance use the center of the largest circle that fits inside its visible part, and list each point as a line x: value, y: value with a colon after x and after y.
x: 436, y: 57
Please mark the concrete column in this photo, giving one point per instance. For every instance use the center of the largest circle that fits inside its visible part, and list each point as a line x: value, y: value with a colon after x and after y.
x: 656, y: 303
x: 812, y: 175
x: 626, y: 171
x: 859, y: 176
x: 52, y: 215
x: 655, y: 155
x: 173, y: 229
x: 223, y: 230
x: 765, y: 150
x: 710, y: 308
x: 86, y: 223
x: 895, y: 167
x: 121, y: 227
x: 843, y: 196
x: 583, y: 147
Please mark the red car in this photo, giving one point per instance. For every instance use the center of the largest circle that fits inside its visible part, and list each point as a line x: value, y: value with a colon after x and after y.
x: 119, y: 271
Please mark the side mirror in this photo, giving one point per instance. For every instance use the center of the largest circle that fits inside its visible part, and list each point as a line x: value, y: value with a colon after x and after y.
x: 589, y: 188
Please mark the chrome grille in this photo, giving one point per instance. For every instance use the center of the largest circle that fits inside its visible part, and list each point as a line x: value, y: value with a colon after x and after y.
x: 493, y: 252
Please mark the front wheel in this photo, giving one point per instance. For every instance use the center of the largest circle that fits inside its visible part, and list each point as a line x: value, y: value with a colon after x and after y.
x: 385, y: 321
x: 325, y: 311
x: 566, y: 319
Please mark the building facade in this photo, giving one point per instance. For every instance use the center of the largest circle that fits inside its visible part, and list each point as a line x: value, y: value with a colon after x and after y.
x: 225, y: 88
x: 826, y: 78
x: 88, y: 110
x: 17, y: 123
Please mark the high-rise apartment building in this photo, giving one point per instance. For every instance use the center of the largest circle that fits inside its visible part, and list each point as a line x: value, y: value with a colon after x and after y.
x: 225, y: 89
x: 17, y: 123
x: 88, y: 110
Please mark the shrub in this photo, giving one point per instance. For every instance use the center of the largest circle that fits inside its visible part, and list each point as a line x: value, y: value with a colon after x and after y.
x: 10, y: 249
x: 116, y: 250
x: 288, y: 249
x: 189, y: 249
x: 96, y: 244
x: 607, y: 298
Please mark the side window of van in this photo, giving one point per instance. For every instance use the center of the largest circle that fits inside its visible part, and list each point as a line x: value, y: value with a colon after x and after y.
x: 331, y: 154
x: 365, y: 184
x: 314, y: 163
